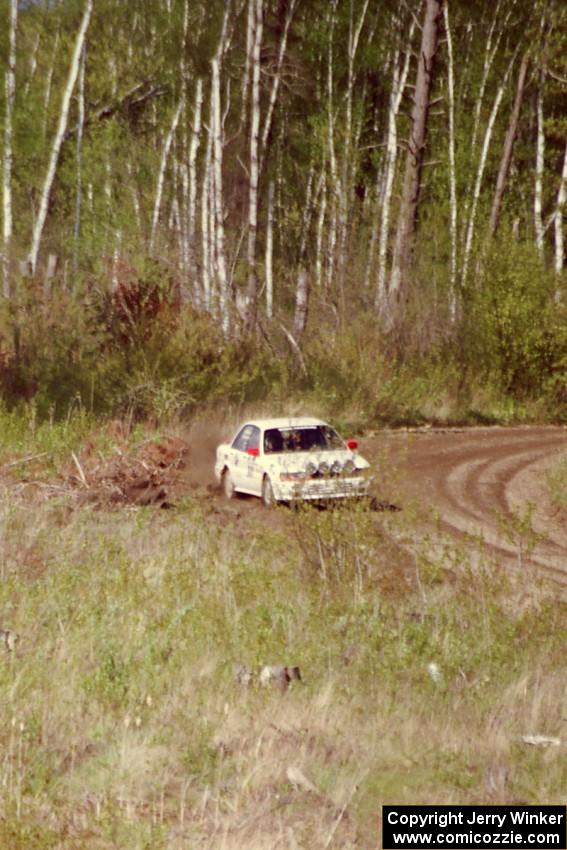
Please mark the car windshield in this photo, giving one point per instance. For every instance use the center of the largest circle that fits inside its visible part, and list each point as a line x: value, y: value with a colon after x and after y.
x: 304, y: 439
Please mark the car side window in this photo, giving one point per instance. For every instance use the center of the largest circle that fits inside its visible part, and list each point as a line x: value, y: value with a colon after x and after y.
x: 254, y: 441
x: 247, y: 438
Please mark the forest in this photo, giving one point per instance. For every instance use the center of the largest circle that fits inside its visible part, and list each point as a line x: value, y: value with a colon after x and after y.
x: 358, y: 204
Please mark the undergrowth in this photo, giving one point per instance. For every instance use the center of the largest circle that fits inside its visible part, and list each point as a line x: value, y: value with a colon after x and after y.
x: 138, y: 353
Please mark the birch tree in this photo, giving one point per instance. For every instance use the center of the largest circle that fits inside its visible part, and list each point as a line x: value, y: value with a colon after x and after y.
x: 252, y: 291
x: 508, y: 149
x: 161, y: 172
x: 559, y: 208
x: 79, y: 187
x: 399, y: 81
x: 354, y: 31
x: 219, y: 237
x: 492, y: 46
x: 335, y: 191
x: 56, y: 146
x: 471, y: 221
x: 206, y: 203
x: 276, y: 83
x: 405, y: 232
x: 8, y: 153
x: 539, y: 165
x: 194, y: 147
x: 270, y: 253
x: 48, y: 84
x: 453, y: 207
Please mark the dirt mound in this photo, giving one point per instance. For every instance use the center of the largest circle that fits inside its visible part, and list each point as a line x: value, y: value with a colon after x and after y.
x: 141, y: 476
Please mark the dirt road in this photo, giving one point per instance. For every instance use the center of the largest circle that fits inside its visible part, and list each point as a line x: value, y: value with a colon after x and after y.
x: 488, y: 483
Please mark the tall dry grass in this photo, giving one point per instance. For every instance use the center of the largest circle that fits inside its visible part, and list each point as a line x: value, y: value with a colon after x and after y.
x: 122, y: 724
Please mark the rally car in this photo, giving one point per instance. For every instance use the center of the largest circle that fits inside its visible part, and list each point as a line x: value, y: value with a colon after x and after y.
x: 283, y: 460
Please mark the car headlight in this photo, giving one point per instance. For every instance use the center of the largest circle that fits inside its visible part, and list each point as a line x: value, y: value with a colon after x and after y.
x: 349, y: 468
x: 324, y: 468
x: 336, y: 468
x: 310, y: 469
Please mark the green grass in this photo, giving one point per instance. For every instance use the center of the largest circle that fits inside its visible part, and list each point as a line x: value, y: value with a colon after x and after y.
x: 123, y: 726
x: 557, y: 485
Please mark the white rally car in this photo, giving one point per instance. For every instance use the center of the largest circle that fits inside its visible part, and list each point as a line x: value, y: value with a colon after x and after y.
x: 281, y: 460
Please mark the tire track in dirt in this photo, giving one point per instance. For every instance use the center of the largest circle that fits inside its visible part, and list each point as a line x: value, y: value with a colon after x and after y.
x: 489, y: 483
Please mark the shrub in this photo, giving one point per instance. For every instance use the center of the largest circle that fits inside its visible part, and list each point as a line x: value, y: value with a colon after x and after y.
x: 514, y: 332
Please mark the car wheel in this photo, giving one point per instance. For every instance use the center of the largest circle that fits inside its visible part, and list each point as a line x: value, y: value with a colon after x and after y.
x: 268, y: 497
x: 227, y: 485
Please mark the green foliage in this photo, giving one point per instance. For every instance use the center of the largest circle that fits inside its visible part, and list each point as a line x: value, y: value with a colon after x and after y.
x: 131, y: 347
x: 135, y: 351
x: 514, y: 330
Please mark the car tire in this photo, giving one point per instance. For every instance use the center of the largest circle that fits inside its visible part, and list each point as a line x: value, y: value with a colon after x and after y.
x: 268, y: 498
x: 227, y: 485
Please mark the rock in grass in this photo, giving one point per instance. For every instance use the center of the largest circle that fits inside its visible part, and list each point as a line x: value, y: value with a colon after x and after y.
x: 268, y: 675
x: 434, y: 672
x: 541, y: 741
x: 243, y: 675
x: 299, y: 781
x: 9, y: 639
x: 279, y: 676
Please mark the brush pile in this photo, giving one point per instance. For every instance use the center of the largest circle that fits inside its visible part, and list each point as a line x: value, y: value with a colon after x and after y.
x: 142, y: 476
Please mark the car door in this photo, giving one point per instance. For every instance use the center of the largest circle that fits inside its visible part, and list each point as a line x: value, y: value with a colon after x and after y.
x: 244, y: 464
x: 254, y: 466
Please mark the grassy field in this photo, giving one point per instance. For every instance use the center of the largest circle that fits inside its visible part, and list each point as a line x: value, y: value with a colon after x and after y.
x: 123, y: 725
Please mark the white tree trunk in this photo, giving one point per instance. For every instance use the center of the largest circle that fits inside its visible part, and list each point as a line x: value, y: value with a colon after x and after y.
x: 399, y: 80
x: 276, y: 83
x: 33, y: 63
x: 116, y: 259
x: 79, y: 186
x: 247, y: 60
x: 353, y: 40
x: 310, y: 201
x: 206, y: 200
x: 403, y: 247
x: 480, y: 171
x: 489, y: 55
x: 335, y: 181
x: 134, y: 195
x: 8, y: 153
x: 269, y: 253
x: 559, y: 236
x: 540, y: 162
x: 192, y: 204
x: 252, y: 293
x: 48, y: 82
x: 320, y: 227
x: 161, y: 172
x: 301, y: 304
x: 453, y: 221
x: 508, y: 149
x: 220, y: 261
x: 57, y: 142
x: 184, y: 260
x: 212, y: 231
